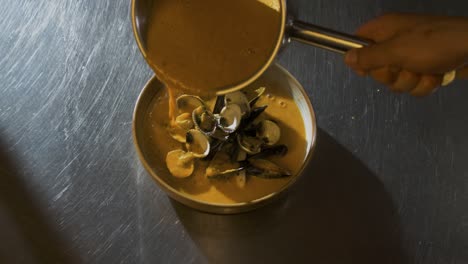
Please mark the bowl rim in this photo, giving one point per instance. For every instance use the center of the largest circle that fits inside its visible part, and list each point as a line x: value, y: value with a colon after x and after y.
x: 219, y: 207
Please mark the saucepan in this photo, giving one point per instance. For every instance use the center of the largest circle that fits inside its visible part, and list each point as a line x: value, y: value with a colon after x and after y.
x: 289, y: 29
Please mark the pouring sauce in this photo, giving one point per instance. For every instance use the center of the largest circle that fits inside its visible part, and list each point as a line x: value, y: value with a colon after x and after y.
x: 201, y: 47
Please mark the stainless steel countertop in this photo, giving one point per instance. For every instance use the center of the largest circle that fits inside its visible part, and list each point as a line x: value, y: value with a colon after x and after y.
x: 388, y: 183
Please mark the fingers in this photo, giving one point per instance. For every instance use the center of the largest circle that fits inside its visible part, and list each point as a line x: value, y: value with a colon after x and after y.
x: 386, y: 75
x: 372, y: 57
x: 383, y: 27
x: 407, y: 82
x: 427, y: 85
x: 396, y: 47
x: 391, y: 37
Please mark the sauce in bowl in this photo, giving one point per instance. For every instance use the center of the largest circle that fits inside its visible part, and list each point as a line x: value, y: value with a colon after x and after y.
x: 282, y: 108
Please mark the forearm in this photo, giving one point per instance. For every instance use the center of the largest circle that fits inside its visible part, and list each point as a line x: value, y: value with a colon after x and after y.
x: 421, y: 48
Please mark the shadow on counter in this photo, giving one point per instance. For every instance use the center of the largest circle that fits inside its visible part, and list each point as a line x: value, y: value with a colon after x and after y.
x: 26, y: 235
x: 338, y: 212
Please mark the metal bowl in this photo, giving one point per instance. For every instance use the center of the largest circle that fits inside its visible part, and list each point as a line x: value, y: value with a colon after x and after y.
x: 276, y: 74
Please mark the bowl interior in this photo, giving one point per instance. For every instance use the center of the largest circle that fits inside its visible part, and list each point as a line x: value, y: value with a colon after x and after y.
x: 275, y: 75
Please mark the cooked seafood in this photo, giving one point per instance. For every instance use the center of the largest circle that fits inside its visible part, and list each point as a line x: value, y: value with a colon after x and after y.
x: 204, y: 120
x: 265, y: 169
x: 180, y: 163
x: 235, y: 138
x: 197, y: 143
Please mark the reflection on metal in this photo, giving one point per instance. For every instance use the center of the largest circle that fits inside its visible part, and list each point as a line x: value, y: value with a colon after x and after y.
x: 324, y: 38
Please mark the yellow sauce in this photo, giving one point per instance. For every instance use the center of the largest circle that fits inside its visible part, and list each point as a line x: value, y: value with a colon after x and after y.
x: 281, y: 108
x: 200, y: 46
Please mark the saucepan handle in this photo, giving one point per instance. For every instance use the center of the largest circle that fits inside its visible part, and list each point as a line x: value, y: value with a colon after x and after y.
x: 336, y: 41
x: 323, y: 37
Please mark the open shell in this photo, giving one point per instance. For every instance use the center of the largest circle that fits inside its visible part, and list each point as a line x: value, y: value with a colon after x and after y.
x: 204, y: 120
x: 197, y: 143
x: 180, y: 163
x: 185, y: 121
x: 251, y: 145
x: 238, y: 98
x: 178, y: 129
x: 220, y: 135
x: 234, y: 138
x: 230, y: 118
x: 269, y: 132
x: 187, y: 103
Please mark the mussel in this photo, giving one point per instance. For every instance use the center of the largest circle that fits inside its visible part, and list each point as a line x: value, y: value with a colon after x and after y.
x: 265, y: 169
x: 257, y: 94
x: 240, y: 177
x: 253, y: 115
x: 278, y: 150
x: 219, y: 104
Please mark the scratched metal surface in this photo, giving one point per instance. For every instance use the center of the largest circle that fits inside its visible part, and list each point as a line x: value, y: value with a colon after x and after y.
x: 388, y: 184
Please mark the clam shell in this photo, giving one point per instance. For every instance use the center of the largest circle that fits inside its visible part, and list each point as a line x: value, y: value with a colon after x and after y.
x: 197, y: 143
x: 204, y: 120
x: 269, y: 132
x: 251, y: 145
x: 180, y: 163
x: 239, y: 99
x: 185, y: 121
x: 187, y: 103
x: 230, y: 118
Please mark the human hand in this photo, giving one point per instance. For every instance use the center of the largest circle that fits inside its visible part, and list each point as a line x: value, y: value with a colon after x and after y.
x: 412, y: 52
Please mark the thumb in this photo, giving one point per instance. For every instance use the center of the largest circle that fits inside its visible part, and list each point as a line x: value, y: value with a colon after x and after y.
x: 372, y: 57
